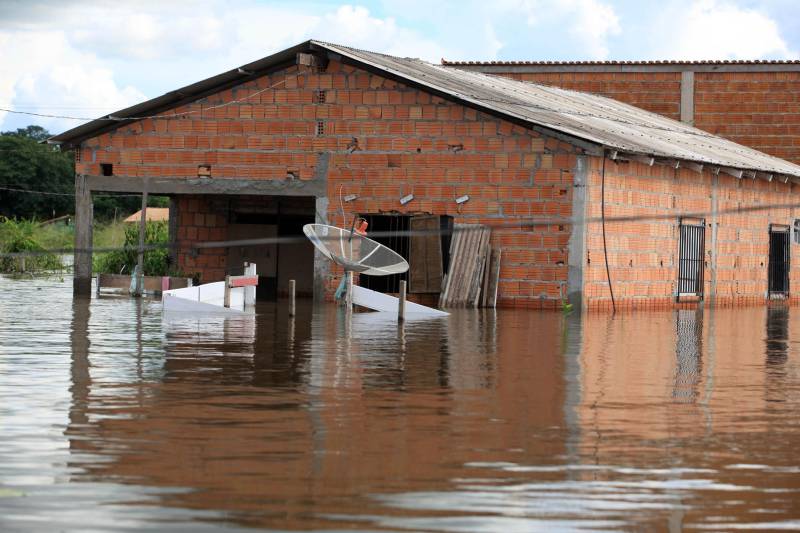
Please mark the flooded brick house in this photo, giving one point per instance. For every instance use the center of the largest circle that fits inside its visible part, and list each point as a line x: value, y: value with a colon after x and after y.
x: 663, y: 212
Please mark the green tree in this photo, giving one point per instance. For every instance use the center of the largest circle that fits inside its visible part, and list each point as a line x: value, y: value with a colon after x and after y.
x: 37, y: 133
x: 27, y: 164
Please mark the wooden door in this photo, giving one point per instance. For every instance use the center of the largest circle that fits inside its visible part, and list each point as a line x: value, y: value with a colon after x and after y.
x: 425, y: 255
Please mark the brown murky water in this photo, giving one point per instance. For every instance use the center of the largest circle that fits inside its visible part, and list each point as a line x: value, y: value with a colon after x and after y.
x: 115, y: 418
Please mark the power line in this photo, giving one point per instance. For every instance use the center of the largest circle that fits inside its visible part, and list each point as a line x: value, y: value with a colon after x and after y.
x: 516, y: 225
x: 111, y: 118
x: 518, y: 103
x: 50, y: 193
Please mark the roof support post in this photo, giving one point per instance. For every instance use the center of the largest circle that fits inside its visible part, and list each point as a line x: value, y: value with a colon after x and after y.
x: 765, y: 176
x: 674, y: 163
x: 697, y: 167
x: 735, y: 172
x: 644, y: 159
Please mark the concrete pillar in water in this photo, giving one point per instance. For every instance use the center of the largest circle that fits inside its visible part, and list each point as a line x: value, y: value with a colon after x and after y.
x: 349, y: 296
x: 84, y: 215
x: 291, y: 297
x: 139, y: 282
x: 401, y: 305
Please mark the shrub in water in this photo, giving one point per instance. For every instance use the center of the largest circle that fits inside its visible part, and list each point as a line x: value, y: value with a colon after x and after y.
x: 156, y: 261
x: 19, y: 236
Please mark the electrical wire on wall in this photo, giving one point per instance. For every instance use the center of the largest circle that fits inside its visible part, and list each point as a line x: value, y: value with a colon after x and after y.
x: 603, y: 224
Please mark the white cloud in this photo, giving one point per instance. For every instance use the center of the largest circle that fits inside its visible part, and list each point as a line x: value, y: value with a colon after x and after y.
x: 354, y: 26
x: 710, y: 29
x: 56, y: 58
x: 594, y: 23
x: 589, y: 23
x: 41, y: 72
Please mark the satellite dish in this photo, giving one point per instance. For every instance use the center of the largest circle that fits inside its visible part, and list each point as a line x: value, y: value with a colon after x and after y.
x: 355, y: 252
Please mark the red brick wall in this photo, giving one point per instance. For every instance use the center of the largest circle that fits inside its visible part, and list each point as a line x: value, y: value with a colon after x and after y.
x: 659, y: 92
x: 407, y: 141
x: 201, y: 219
x: 757, y: 109
x: 643, y: 254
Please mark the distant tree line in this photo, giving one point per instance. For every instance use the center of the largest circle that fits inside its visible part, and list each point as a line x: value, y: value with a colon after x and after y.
x: 27, y: 162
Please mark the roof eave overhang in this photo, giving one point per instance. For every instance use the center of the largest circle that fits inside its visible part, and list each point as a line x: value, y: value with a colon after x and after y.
x: 287, y: 57
x: 73, y: 137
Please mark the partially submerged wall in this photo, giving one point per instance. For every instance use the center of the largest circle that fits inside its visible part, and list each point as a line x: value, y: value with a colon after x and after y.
x: 643, y: 252
x: 381, y: 140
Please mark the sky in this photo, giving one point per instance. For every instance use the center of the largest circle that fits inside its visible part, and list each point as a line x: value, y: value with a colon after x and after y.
x: 88, y: 58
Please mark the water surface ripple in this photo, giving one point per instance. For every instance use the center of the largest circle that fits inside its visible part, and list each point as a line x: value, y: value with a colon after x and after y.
x: 114, y: 417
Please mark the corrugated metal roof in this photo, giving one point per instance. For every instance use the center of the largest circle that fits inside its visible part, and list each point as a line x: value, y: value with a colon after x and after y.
x: 630, y: 62
x: 595, y: 120
x: 590, y: 117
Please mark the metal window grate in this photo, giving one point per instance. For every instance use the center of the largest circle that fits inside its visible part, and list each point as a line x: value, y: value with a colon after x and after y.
x: 691, y: 258
x: 797, y: 231
x: 778, y: 260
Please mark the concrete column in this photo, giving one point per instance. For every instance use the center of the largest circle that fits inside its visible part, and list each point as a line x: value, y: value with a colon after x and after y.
x: 84, y: 215
x: 687, y: 97
x: 576, y: 247
x: 321, y: 263
x: 173, y: 230
x: 712, y: 290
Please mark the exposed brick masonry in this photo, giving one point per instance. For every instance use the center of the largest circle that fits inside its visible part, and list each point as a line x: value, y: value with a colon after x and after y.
x: 386, y: 140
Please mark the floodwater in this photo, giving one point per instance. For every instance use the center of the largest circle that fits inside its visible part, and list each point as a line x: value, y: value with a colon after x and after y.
x: 115, y: 418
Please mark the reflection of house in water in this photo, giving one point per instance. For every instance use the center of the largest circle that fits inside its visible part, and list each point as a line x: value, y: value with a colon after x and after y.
x: 279, y: 422
x: 279, y: 419
x: 777, y: 351
x: 689, y: 354
x: 81, y: 381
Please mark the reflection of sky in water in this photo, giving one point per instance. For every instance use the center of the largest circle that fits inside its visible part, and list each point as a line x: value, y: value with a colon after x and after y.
x: 115, y: 418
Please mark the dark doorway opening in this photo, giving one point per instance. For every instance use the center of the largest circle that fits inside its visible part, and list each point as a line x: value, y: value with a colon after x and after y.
x: 428, y: 253
x: 273, y: 217
x: 390, y: 224
x: 778, y: 261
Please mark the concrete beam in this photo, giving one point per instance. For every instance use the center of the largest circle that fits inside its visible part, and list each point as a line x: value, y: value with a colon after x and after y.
x: 687, y: 97
x: 640, y: 67
x: 169, y: 186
